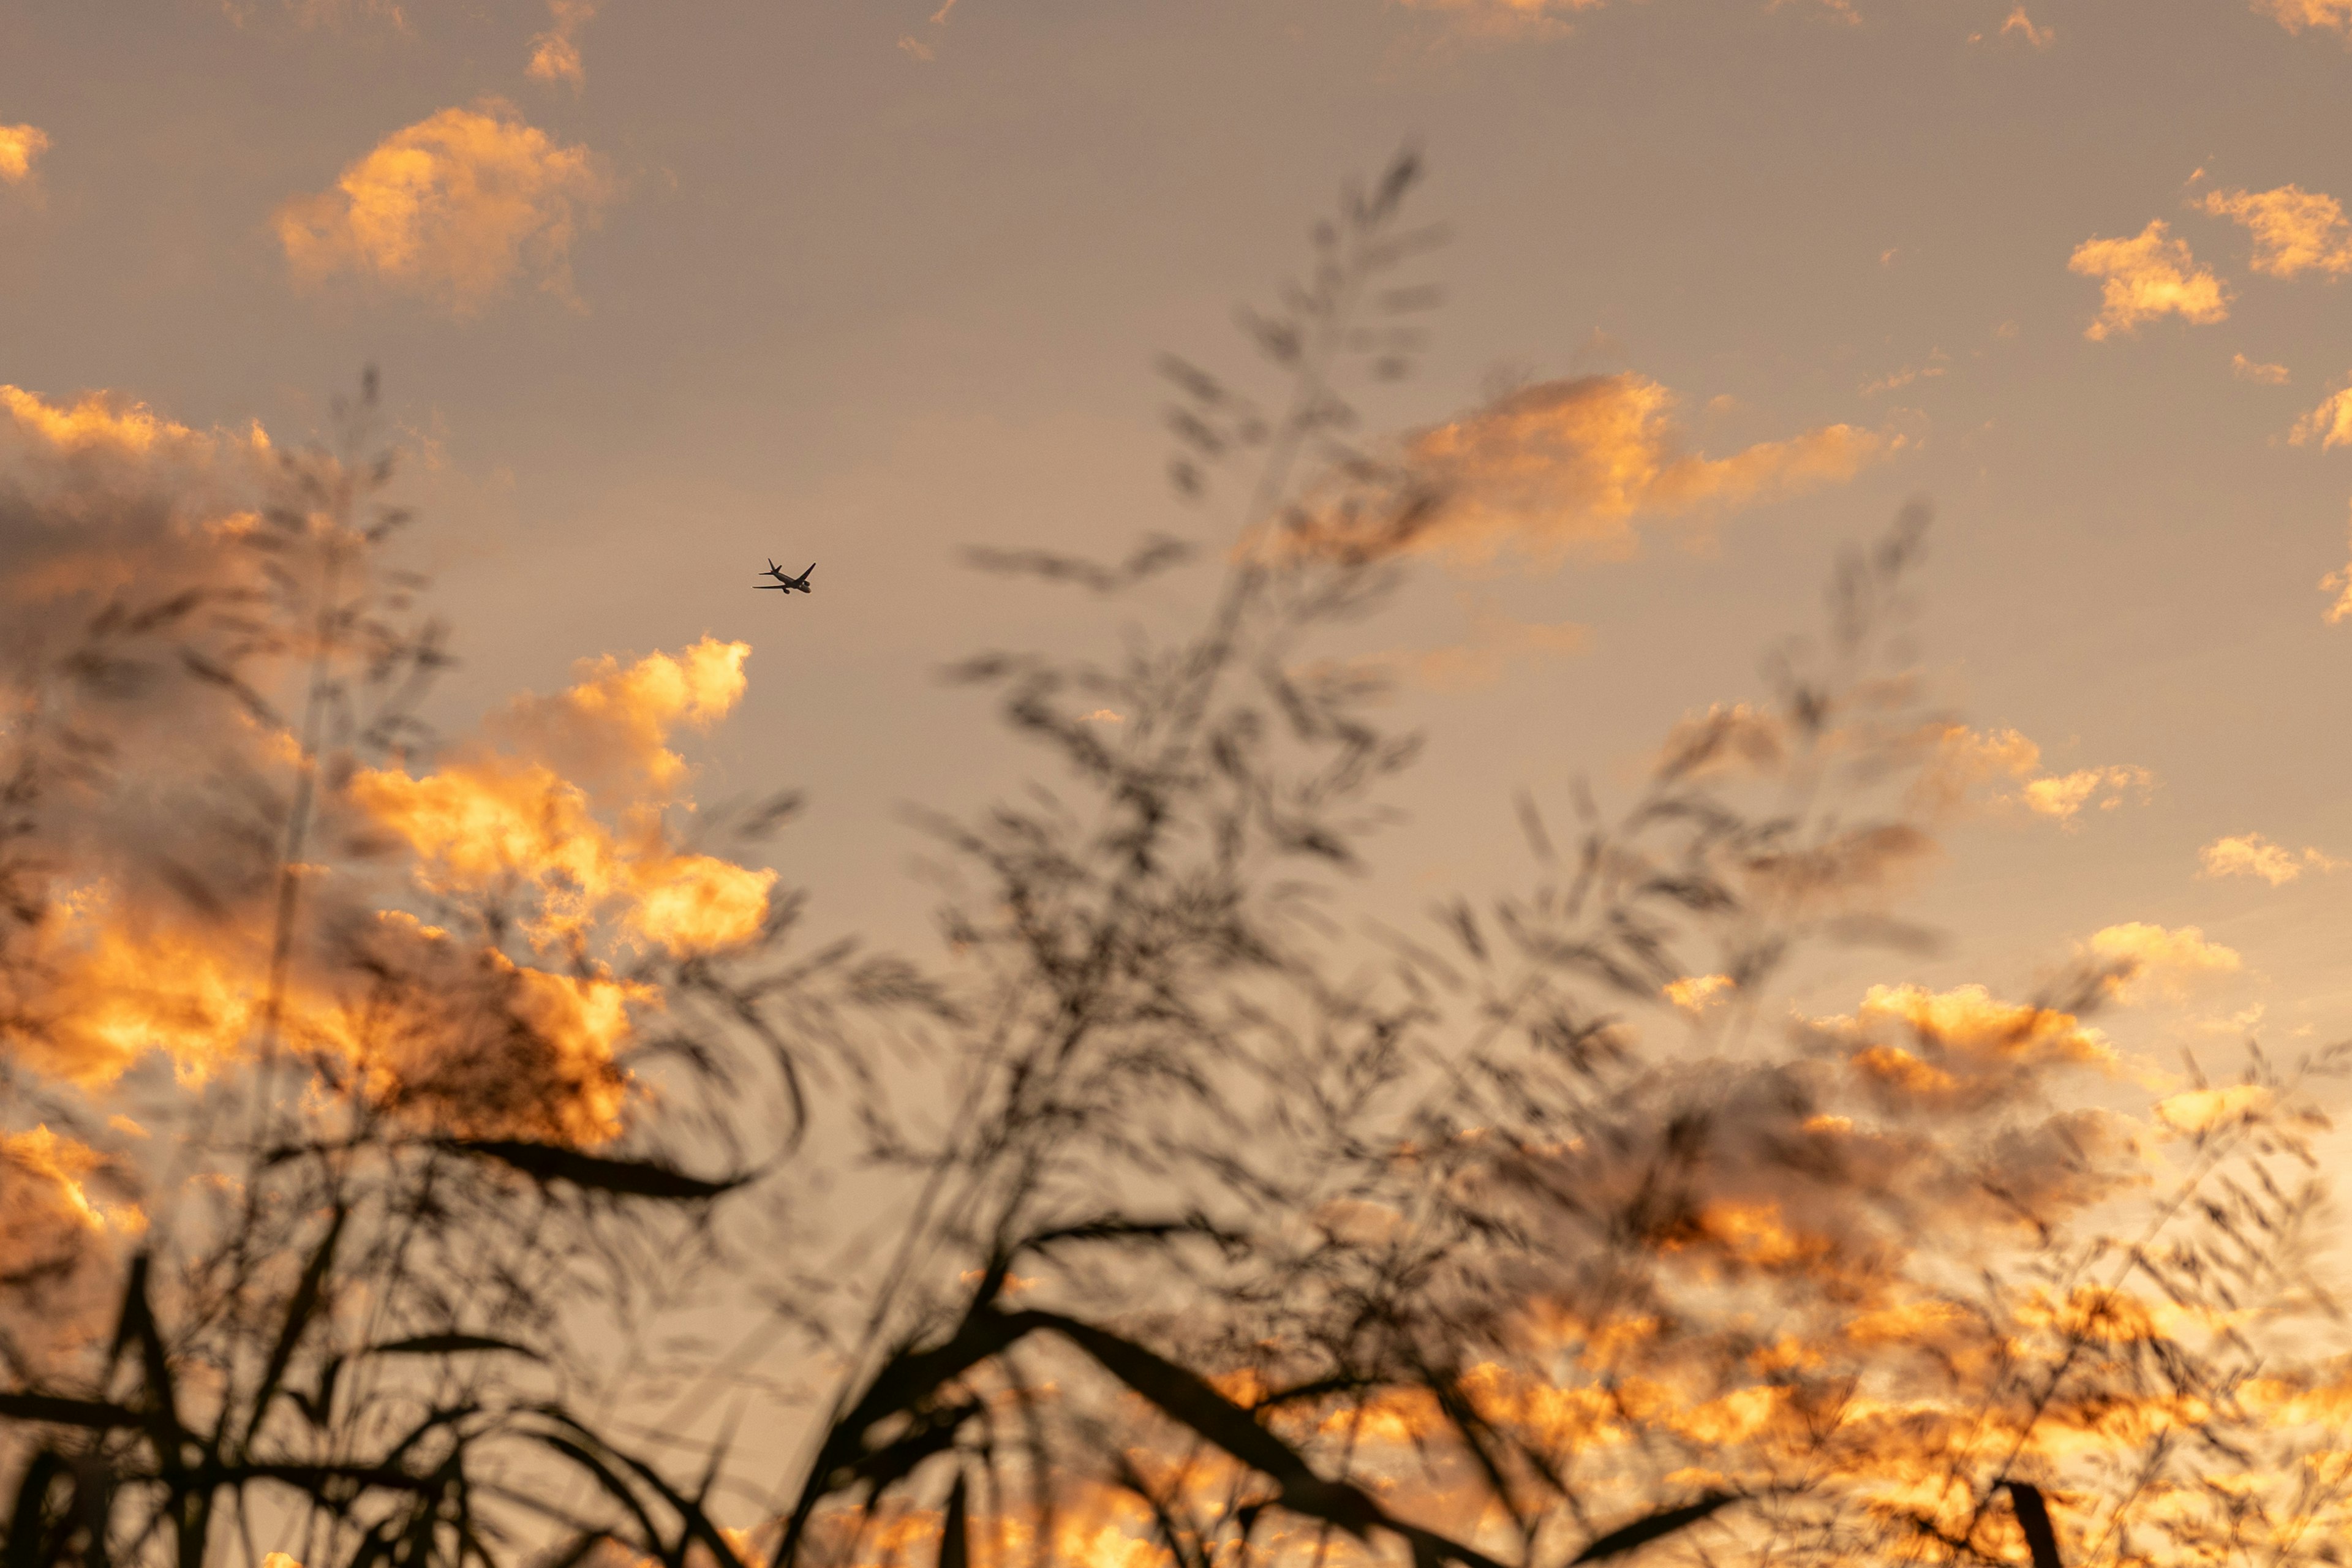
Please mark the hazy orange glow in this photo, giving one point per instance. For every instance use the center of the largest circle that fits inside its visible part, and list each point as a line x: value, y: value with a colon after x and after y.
x: 455, y: 207
x: 2146, y: 277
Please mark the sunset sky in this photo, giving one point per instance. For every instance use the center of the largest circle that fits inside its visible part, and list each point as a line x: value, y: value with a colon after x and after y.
x: 660, y: 293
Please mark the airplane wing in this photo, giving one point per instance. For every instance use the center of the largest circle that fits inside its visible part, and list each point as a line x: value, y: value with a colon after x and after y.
x: 779, y: 588
x: 812, y: 566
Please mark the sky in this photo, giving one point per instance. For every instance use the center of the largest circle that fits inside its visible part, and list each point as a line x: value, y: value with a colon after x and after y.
x: 659, y: 294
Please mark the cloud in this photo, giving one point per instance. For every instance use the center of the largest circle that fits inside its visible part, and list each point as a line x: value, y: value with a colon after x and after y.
x: 1938, y: 363
x: 454, y: 209
x: 19, y: 145
x: 2294, y: 15
x: 2294, y: 230
x: 1507, y: 18
x: 2062, y: 796
x: 2245, y: 369
x: 2330, y: 423
x: 1578, y: 464
x: 2022, y: 25
x: 481, y: 932
x: 2252, y: 855
x: 511, y: 811
x: 555, y: 54
x: 1695, y: 994
x: 2339, y: 584
x: 66, y: 1214
x: 2203, y: 1110
x: 1960, y: 1049
x: 1967, y: 767
x: 2147, y: 275
x: 2150, y: 956
x: 100, y: 493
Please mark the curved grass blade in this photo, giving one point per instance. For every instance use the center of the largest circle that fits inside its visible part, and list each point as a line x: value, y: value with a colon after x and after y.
x: 449, y: 1344
x: 1651, y: 1526
x: 545, y: 1162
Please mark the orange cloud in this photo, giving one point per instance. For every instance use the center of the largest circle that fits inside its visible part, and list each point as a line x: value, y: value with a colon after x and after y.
x: 2063, y: 794
x: 2023, y: 25
x: 60, y: 1229
x: 2294, y: 15
x: 2147, y: 275
x: 19, y: 145
x: 2201, y: 1109
x: 1695, y: 993
x: 1957, y: 1050
x: 96, y: 420
x: 611, y: 728
x: 558, y: 822
x: 2252, y: 855
x: 483, y: 1047
x: 2245, y: 369
x: 2004, y: 767
x: 2294, y: 230
x: 555, y: 54
x: 2166, y: 961
x: 111, y: 494
x: 1576, y: 465
x: 2340, y: 584
x: 495, y: 820
x: 2330, y: 423
x: 455, y: 208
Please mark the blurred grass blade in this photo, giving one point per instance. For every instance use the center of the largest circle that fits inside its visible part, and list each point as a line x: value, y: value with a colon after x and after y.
x: 546, y: 1162
x: 955, y: 1540
x: 449, y: 1344
x: 1187, y: 1398
x: 28, y: 1520
x: 2034, y: 1516
x: 92, y: 1414
x: 1651, y: 1526
x: 299, y: 1310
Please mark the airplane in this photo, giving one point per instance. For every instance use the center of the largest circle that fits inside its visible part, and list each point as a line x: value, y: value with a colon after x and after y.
x: 785, y: 583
